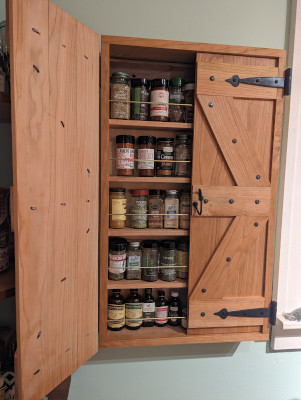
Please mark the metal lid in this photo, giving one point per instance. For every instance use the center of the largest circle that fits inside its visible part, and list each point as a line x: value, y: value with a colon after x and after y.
x: 171, y: 192
x: 137, y: 82
x: 150, y: 244
x: 119, y: 190
x: 117, y: 244
x: 169, y: 244
x: 120, y: 75
x: 125, y: 139
x: 134, y: 244
x: 165, y: 139
x: 156, y: 192
x: 189, y: 86
x: 146, y: 140
x: 157, y: 83
x: 161, y: 293
x: 139, y: 192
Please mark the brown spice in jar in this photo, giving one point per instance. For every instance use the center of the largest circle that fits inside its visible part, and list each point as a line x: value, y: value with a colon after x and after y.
x: 165, y: 152
x: 156, y: 209
x: 125, y: 155
x: 159, y: 95
x: 146, y: 153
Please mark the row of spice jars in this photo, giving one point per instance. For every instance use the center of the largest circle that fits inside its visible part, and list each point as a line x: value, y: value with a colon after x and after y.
x: 153, y: 209
x: 155, y: 156
x: 135, y: 311
x: 157, y: 100
x: 150, y: 260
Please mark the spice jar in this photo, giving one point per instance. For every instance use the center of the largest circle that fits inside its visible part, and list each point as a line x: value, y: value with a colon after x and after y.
x: 117, y: 258
x: 116, y: 311
x: 183, y: 257
x: 171, y: 217
x: 169, y: 259
x: 156, y: 209
x: 150, y: 259
x: 159, y: 94
x: 117, y: 208
x: 125, y: 155
x: 139, y: 208
x: 120, y: 90
x: 176, y: 96
x: 183, y: 152
x: 134, y: 259
x: 146, y: 153
x: 165, y: 151
x: 161, y: 309
x: 133, y: 310
x: 185, y: 209
x: 140, y: 93
x: 188, y: 90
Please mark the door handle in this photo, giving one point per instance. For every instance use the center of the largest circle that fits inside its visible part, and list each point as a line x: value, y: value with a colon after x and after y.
x: 195, y: 203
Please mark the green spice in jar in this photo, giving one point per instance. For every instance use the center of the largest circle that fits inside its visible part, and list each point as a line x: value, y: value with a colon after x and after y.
x: 140, y: 92
x: 117, y: 258
x: 183, y: 257
x: 134, y: 259
x: 150, y: 259
x: 139, y: 208
x: 120, y: 90
x: 169, y: 259
x: 176, y: 96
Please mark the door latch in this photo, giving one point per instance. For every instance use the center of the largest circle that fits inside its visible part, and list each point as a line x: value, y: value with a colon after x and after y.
x: 195, y: 203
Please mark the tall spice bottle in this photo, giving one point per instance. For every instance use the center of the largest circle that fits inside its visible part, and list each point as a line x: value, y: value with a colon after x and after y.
x: 116, y: 311
x: 161, y: 309
x: 133, y: 310
x: 148, y: 309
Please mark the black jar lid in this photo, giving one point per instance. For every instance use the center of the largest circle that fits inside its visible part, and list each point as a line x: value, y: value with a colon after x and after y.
x: 183, y: 241
x: 117, y: 244
x: 169, y: 244
x: 184, y: 136
x: 150, y: 244
x: 161, y: 293
x: 117, y: 190
x: 137, y: 82
x: 146, y: 140
x: 116, y: 290
x: 156, y: 192
x: 177, y: 81
x: 157, y: 83
x: 148, y: 291
x: 134, y: 290
x: 125, y: 139
x: 165, y: 139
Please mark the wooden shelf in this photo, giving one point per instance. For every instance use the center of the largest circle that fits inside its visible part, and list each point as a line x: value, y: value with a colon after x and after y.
x: 7, y: 283
x: 156, y: 182
x: 134, y: 233
x: 5, y: 107
x: 139, y: 284
x: 151, y: 125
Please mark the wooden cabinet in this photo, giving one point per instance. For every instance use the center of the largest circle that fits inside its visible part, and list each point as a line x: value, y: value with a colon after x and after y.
x: 55, y: 115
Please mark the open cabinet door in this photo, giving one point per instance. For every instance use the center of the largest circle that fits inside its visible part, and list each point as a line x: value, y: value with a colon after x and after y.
x: 237, y: 133
x: 55, y: 127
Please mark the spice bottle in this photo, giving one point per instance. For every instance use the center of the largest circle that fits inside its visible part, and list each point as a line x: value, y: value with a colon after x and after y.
x: 169, y: 259
x: 120, y: 90
x: 140, y: 93
x: 125, y: 155
x: 148, y: 309
x: 117, y: 258
x: 171, y: 218
x: 176, y: 96
x: 134, y: 259
x: 116, y: 311
x: 160, y: 96
x: 183, y: 257
x: 133, y: 310
x: 146, y: 153
x: 117, y: 208
x: 139, y: 208
x: 185, y: 209
x: 161, y: 309
x: 150, y: 259
x: 156, y: 209
x: 165, y: 151
x: 175, y: 309
x: 189, y: 99
x: 183, y: 152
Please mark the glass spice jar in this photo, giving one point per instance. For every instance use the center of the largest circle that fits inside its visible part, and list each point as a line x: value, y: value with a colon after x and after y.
x: 160, y: 96
x: 188, y: 90
x: 183, y: 152
x: 140, y: 208
x: 120, y: 90
x: 150, y: 259
x: 133, y: 310
x: 117, y: 258
x: 165, y: 151
x: 134, y: 260
x: 140, y: 92
x: 169, y: 259
x: 116, y: 311
x: 171, y: 205
x: 146, y: 153
x: 125, y: 155
x: 176, y: 96
x: 117, y: 208
x: 156, y: 209
x: 183, y: 257
x: 185, y: 209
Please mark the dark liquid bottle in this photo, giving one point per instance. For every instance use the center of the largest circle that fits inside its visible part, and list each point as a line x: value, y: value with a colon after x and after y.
x: 133, y: 310
x: 175, y: 309
x: 116, y: 311
x: 148, y: 309
x: 161, y: 309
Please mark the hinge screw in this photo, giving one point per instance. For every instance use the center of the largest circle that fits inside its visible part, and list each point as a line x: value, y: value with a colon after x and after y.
x: 203, y: 314
x: 228, y: 259
x: 257, y: 201
x: 33, y: 208
x: 203, y: 290
x: 258, y: 176
x: 231, y: 201
x: 210, y: 104
x: 234, y: 141
x: 256, y: 224
x: 212, y: 78
x: 205, y: 201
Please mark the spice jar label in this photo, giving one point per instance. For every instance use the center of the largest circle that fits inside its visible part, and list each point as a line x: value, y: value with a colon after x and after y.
x: 165, y: 154
x: 176, y: 98
x: 133, y: 314
x: 148, y: 308
x: 117, y: 263
x: 146, y: 154
x: 161, y: 313
x: 134, y: 263
x: 171, y: 211
x: 159, y: 96
x: 116, y: 315
x: 118, y: 207
x: 125, y: 158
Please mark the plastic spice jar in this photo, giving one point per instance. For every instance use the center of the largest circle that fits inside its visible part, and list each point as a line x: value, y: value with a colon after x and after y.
x: 185, y: 209
x: 189, y: 99
x: 134, y: 260
x: 139, y: 208
x: 146, y: 153
x: 150, y: 259
x: 140, y: 92
x: 169, y: 259
x: 125, y: 155
x: 120, y: 90
x: 117, y: 208
x: 165, y: 151
x: 171, y: 218
x: 160, y: 96
x: 117, y: 258
x: 183, y: 152
x: 156, y: 209
x: 183, y: 257
x: 176, y: 96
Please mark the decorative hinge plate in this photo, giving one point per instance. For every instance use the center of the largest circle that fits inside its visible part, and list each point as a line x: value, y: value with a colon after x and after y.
x: 274, y: 82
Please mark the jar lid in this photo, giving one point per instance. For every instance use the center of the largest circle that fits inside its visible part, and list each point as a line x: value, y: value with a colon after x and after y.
x: 116, y: 290
x: 171, y: 192
x: 165, y: 139
x: 157, y: 83
x: 169, y: 244
x: 156, y: 192
x: 177, y: 81
x: 117, y: 244
x: 134, y: 244
x: 183, y: 136
x: 186, y: 191
x: 150, y: 244
x: 148, y: 291
x: 189, y: 86
x: 117, y: 190
x: 140, y: 82
x: 139, y: 192
x: 125, y: 139
x: 133, y: 290
x: 120, y: 75
x: 174, y: 294
x: 183, y: 240
x: 146, y: 140
x: 161, y: 293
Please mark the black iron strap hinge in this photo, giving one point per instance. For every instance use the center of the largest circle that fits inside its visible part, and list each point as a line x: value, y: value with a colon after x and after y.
x: 252, y: 313
x: 275, y: 82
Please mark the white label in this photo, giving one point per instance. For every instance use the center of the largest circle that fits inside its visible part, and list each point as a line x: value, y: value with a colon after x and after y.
x: 117, y: 263
x: 171, y: 211
x: 177, y: 97
x: 125, y: 158
x: 159, y: 96
x: 176, y: 309
x: 146, y: 154
x: 149, y: 307
x: 134, y: 263
x: 162, y: 313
